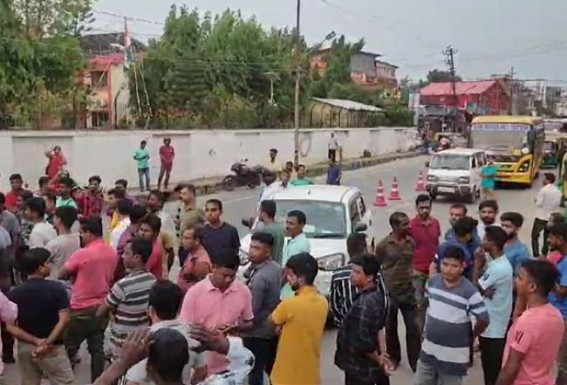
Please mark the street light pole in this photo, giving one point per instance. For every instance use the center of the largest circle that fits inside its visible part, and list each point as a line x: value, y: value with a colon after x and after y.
x: 297, y: 84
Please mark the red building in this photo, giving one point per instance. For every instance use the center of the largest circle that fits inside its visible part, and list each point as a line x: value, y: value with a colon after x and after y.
x: 487, y: 97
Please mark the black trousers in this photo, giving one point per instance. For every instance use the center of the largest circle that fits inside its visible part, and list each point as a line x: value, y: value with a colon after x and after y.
x: 539, y: 226
x: 413, y: 334
x: 351, y: 379
x: 491, y: 352
x: 264, y: 351
x: 332, y: 155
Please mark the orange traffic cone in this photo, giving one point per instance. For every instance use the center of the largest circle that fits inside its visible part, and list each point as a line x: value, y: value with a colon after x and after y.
x: 380, y: 200
x: 420, y: 185
x: 395, y: 193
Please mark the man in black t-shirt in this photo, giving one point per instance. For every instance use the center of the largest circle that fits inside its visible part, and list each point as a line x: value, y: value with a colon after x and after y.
x: 218, y: 236
x: 43, y: 314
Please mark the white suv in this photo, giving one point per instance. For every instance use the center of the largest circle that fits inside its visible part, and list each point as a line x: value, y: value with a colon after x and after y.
x: 333, y: 213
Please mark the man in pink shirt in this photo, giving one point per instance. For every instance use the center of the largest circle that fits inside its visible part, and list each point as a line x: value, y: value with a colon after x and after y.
x: 219, y: 302
x: 425, y: 231
x: 92, y: 269
x: 535, y: 337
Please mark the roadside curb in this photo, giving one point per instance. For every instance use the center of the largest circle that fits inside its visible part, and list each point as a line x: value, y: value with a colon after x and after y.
x: 312, y: 171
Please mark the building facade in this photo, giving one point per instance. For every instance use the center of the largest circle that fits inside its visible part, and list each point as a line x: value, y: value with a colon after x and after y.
x: 106, y: 81
x: 478, y: 97
x: 365, y: 69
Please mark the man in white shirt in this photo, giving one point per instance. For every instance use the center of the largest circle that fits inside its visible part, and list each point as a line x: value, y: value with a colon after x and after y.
x: 333, y: 147
x: 66, y: 242
x: 164, y: 303
x: 123, y: 208
x: 548, y: 201
x: 487, y: 213
x: 42, y: 232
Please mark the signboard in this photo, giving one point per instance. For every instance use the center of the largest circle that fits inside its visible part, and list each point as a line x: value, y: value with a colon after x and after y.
x: 500, y: 127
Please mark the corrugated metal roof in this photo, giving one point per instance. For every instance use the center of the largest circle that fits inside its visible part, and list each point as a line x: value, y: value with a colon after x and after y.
x: 348, y: 104
x: 462, y: 88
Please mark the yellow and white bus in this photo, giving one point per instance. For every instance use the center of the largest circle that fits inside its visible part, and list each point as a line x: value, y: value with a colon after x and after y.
x: 515, y: 143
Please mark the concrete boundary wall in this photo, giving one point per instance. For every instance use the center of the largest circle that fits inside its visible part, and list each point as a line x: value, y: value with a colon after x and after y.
x: 199, y: 153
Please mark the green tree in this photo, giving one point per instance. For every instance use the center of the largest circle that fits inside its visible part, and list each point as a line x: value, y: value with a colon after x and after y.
x: 437, y: 76
x: 203, y: 69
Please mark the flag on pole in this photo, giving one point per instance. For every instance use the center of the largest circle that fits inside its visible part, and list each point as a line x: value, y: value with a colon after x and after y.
x: 129, y: 56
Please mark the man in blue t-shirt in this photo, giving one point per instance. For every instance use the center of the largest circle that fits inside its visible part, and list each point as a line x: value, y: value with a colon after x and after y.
x: 558, y: 297
x: 333, y: 173
x: 496, y: 286
x: 464, y: 237
x: 515, y: 250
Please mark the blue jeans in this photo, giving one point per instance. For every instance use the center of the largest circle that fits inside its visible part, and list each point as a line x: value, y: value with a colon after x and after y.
x: 144, y: 173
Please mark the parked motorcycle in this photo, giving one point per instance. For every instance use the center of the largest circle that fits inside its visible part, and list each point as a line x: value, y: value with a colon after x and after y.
x: 243, y: 176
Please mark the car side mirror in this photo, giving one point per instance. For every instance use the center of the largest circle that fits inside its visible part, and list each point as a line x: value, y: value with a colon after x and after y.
x: 427, y: 164
x: 360, y: 227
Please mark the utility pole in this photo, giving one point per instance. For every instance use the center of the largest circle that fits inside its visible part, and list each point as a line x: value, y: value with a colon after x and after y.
x: 450, y: 61
x: 297, y: 83
x: 449, y: 53
x: 512, y: 109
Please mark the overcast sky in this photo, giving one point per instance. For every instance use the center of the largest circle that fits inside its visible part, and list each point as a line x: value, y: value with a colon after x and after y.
x: 491, y: 35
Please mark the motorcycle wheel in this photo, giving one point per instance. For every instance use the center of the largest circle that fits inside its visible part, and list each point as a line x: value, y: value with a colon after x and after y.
x: 229, y: 183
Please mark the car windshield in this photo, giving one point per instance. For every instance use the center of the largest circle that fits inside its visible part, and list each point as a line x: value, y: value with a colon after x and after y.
x: 324, y: 219
x: 450, y: 162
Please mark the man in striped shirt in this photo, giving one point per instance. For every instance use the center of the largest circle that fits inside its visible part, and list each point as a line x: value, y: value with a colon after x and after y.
x: 128, y: 299
x: 342, y: 292
x: 444, y: 357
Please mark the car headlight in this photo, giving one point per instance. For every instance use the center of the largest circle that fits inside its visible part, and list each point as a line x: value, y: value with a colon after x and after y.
x: 524, y: 167
x: 331, y: 262
x: 432, y: 178
x: 464, y: 179
x: 525, y: 151
x: 243, y: 255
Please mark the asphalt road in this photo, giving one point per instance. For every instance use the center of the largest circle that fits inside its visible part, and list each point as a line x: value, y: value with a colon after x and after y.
x: 241, y: 203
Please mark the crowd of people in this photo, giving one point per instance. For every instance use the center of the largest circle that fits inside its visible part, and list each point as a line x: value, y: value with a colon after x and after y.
x: 66, y: 280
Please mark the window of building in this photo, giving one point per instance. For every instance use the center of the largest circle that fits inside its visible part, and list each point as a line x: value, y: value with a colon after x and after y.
x: 100, y: 118
x: 99, y: 79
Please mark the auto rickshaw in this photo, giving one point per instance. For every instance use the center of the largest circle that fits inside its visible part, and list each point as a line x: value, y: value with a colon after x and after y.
x: 550, y: 157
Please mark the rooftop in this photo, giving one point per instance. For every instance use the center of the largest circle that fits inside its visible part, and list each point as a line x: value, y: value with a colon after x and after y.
x: 348, y: 104
x: 325, y: 193
x: 462, y: 88
x: 102, y: 43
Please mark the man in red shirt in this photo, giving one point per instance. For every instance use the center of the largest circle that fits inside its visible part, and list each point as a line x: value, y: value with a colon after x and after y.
x: 150, y: 226
x: 91, y: 269
x: 90, y: 201
x: 166, y: 155
x: 56, y: 162
x: 16, y: 183
x: 425, y: 231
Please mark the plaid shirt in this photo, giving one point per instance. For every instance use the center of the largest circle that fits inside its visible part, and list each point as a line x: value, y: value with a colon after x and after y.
x: 90, y: 205
x: 342, y: 293
x: 358, y: 335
